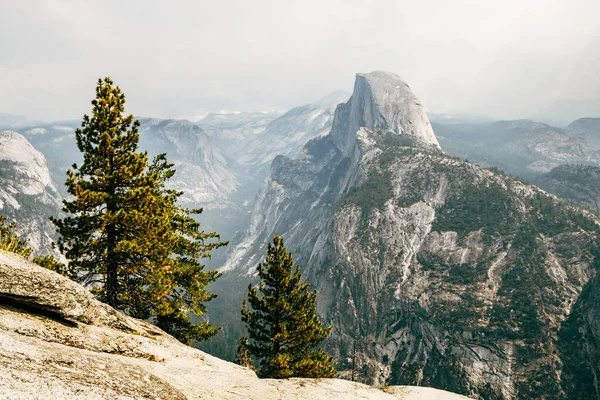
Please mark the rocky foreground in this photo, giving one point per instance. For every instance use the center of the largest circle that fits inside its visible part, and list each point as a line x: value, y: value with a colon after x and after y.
x: 58, y: 342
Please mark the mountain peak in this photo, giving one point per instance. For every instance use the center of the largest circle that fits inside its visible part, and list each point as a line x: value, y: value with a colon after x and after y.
x: 382, y: 101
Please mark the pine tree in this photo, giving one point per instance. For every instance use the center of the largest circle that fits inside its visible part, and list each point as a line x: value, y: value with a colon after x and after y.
x: 124, y: 235
x: 11, y: 243
x: 283, y: 326
x: 243, y: 356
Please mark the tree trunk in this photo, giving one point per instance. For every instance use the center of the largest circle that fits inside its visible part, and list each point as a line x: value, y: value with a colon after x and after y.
x: 112, y: 281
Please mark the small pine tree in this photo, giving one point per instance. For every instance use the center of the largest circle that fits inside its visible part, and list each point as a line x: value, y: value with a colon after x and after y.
x: 283, y: 325
x: 243, y: 356
x: 124, y: 234
x: 49, y: 262
x: 10, y: 242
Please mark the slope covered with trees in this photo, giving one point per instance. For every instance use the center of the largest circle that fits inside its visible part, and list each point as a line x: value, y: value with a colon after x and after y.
x: 578, y: 183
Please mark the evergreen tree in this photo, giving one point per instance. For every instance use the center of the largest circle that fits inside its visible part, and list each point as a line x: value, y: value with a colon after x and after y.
x: 124, y: 234
x: 49, y: 262
x: 243, y: 356
x: 10, y: 242
x: 283, y: 326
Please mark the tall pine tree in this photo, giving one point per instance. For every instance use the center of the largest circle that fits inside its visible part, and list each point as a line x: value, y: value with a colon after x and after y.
x: 284, y: 329
x: 124, y: 234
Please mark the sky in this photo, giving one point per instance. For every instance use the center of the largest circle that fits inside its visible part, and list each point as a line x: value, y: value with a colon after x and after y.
x: 506, y: 59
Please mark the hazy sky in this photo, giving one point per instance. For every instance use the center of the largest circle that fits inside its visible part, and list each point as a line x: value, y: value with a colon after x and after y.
x: 506, y: 59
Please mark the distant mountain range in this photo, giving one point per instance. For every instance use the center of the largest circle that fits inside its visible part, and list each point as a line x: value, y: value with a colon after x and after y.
x: 523, y: 148
x: 9, y: 121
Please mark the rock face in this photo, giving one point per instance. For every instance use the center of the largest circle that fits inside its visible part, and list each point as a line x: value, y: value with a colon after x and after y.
x: 58, y: 342
x: 438, y: 272
x: 579, y: 183
x: 381, y: 101
x: 27, y: 191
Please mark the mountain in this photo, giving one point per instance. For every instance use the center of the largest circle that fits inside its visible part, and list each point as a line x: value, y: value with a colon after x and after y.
x: 57, y: 142
x: 231, y: 130
x: 59, y: 342
x: 220, y: 162
x: 203, y: 173
x: 208, y: 179
x: 286, y: 135
x: 447, y: 118
x: 254, y: 140
x: 28, y: 194
x: 8, y: 121
x: 433, y: 271
x: 589, y: 128
x: 578, y: 183
x: 522, y: 147
x: 396, y: 110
